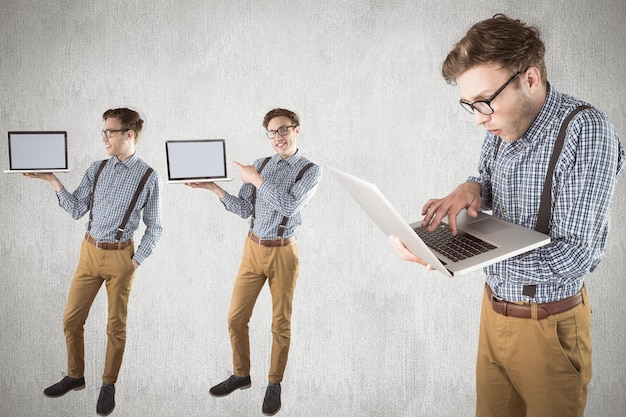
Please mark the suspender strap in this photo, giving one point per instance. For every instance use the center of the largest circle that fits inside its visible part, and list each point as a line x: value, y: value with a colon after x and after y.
x: 283, y: 224
x: 133, y: 202
x: 495, y: 152
x: 93, y: 192
x: 545, y: 207
x: 265, y: 161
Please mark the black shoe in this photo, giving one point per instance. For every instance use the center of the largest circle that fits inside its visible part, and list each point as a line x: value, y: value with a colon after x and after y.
x: 64, y: 386
x: 231, y: 384
x: 271, y: 403
x: 106, y: 400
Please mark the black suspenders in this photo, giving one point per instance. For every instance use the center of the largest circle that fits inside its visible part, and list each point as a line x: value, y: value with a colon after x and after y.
x: 545, y: 206
x: 283, y: 223
x: 131, y: 206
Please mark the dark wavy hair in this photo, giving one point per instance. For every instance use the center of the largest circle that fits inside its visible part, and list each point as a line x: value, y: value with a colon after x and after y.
x: 507, y: 42
x: 295, y: 120
x: 130, y: 119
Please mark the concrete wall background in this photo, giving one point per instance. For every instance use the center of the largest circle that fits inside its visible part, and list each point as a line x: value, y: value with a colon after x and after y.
x: 372, y: 335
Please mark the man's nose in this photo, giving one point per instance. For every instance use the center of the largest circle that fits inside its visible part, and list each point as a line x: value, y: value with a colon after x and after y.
x: 480, y: 118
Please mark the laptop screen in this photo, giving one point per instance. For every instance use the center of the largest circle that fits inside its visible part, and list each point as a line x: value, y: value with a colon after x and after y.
x: 195, y: 160
x: 37, y: 151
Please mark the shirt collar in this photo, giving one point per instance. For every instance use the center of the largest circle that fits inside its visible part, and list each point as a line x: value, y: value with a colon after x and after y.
x: 293, y: 159
x: 129, y: 162
x: 547, y: 115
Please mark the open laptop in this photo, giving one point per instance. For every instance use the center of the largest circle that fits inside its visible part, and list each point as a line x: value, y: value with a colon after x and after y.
x: 480, y: 241
x: 197, y: 160
x: 37, y: 152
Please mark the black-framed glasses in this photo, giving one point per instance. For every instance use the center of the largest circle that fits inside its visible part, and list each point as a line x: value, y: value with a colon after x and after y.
x: 281, y: 131
x: 108, y: 133
x: 484, y: 106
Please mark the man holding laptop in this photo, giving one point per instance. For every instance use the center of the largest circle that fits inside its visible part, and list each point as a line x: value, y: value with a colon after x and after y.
x: 275, y: 191
x: 116, y: 192
x: 542, y: 364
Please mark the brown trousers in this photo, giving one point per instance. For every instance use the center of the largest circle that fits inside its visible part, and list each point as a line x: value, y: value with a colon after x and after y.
x: 115, y: 269
x: 279, y: 266
x: 534, y: 368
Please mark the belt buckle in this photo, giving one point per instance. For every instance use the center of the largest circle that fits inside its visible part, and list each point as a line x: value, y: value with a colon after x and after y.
x: 97, y: 244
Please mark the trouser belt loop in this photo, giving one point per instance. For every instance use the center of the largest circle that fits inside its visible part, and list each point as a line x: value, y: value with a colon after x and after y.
x: 533, y: 311
x: 583, y: 293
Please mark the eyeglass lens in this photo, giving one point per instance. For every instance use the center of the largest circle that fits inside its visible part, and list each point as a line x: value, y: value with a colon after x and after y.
x: 282, y: 131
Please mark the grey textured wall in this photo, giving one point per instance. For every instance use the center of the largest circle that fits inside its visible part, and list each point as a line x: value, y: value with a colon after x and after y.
x: 372, y: 335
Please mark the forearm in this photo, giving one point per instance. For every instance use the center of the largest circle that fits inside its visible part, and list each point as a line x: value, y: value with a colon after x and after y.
x: 219, y: 191
x: 152, y: 214
x: 290, y: 203
x: 56, y: 184
x: 148, y: 243
x: 285, y: 203
x: 237, y: 205
x: 70, y: 203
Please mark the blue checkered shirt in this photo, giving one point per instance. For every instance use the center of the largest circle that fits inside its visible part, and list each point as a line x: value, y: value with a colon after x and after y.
x: 116, y: 186
x: 582, y: 190
x: 278, y: 196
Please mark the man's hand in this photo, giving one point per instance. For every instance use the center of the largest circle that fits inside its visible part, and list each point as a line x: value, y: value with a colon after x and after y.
x: 51, y: 178
x: 211, y: 186
x: 405, y: 253
x: 249, y: 175
x: 465, y: 196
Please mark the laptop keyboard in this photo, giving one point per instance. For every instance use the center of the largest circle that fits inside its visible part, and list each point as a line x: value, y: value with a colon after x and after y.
x: 455, y: 248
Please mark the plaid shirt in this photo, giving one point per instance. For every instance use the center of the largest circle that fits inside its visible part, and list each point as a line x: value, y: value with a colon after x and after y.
x: 582, y: 190
x: 274, y: 199
x: 116, y: 186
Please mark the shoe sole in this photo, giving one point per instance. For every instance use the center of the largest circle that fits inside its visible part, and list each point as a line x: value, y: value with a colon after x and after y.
x: 105, y: 414
x: 228, y: 393
x: 271, y: 414
x: 60, y: 395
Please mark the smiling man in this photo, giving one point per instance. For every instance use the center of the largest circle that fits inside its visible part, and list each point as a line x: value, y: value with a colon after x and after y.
x: 534, y: 349
x: 116, y: 192
x: 275, y: 191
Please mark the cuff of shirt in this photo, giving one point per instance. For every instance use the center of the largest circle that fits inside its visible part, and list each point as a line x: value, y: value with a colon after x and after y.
x: 261, y: 191
x: 62, y: 194
x: 138, y: 258
x: 477, y: 181
x: 227, y: 200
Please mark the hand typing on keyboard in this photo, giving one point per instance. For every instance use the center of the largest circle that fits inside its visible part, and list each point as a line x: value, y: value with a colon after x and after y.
x: 465, y: 196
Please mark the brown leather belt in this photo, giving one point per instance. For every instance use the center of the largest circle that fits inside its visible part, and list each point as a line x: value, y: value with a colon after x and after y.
x: 523, y: 311
x: 107, y: 245
x: 270, y: 242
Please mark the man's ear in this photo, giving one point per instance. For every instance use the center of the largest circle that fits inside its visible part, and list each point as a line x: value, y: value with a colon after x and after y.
x: 533, y: 78
x: 130, y: 135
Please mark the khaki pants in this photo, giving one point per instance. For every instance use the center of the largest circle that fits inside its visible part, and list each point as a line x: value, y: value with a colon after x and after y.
x: 115, y: 269
x: 534, y: 368
x: 279, y: 265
